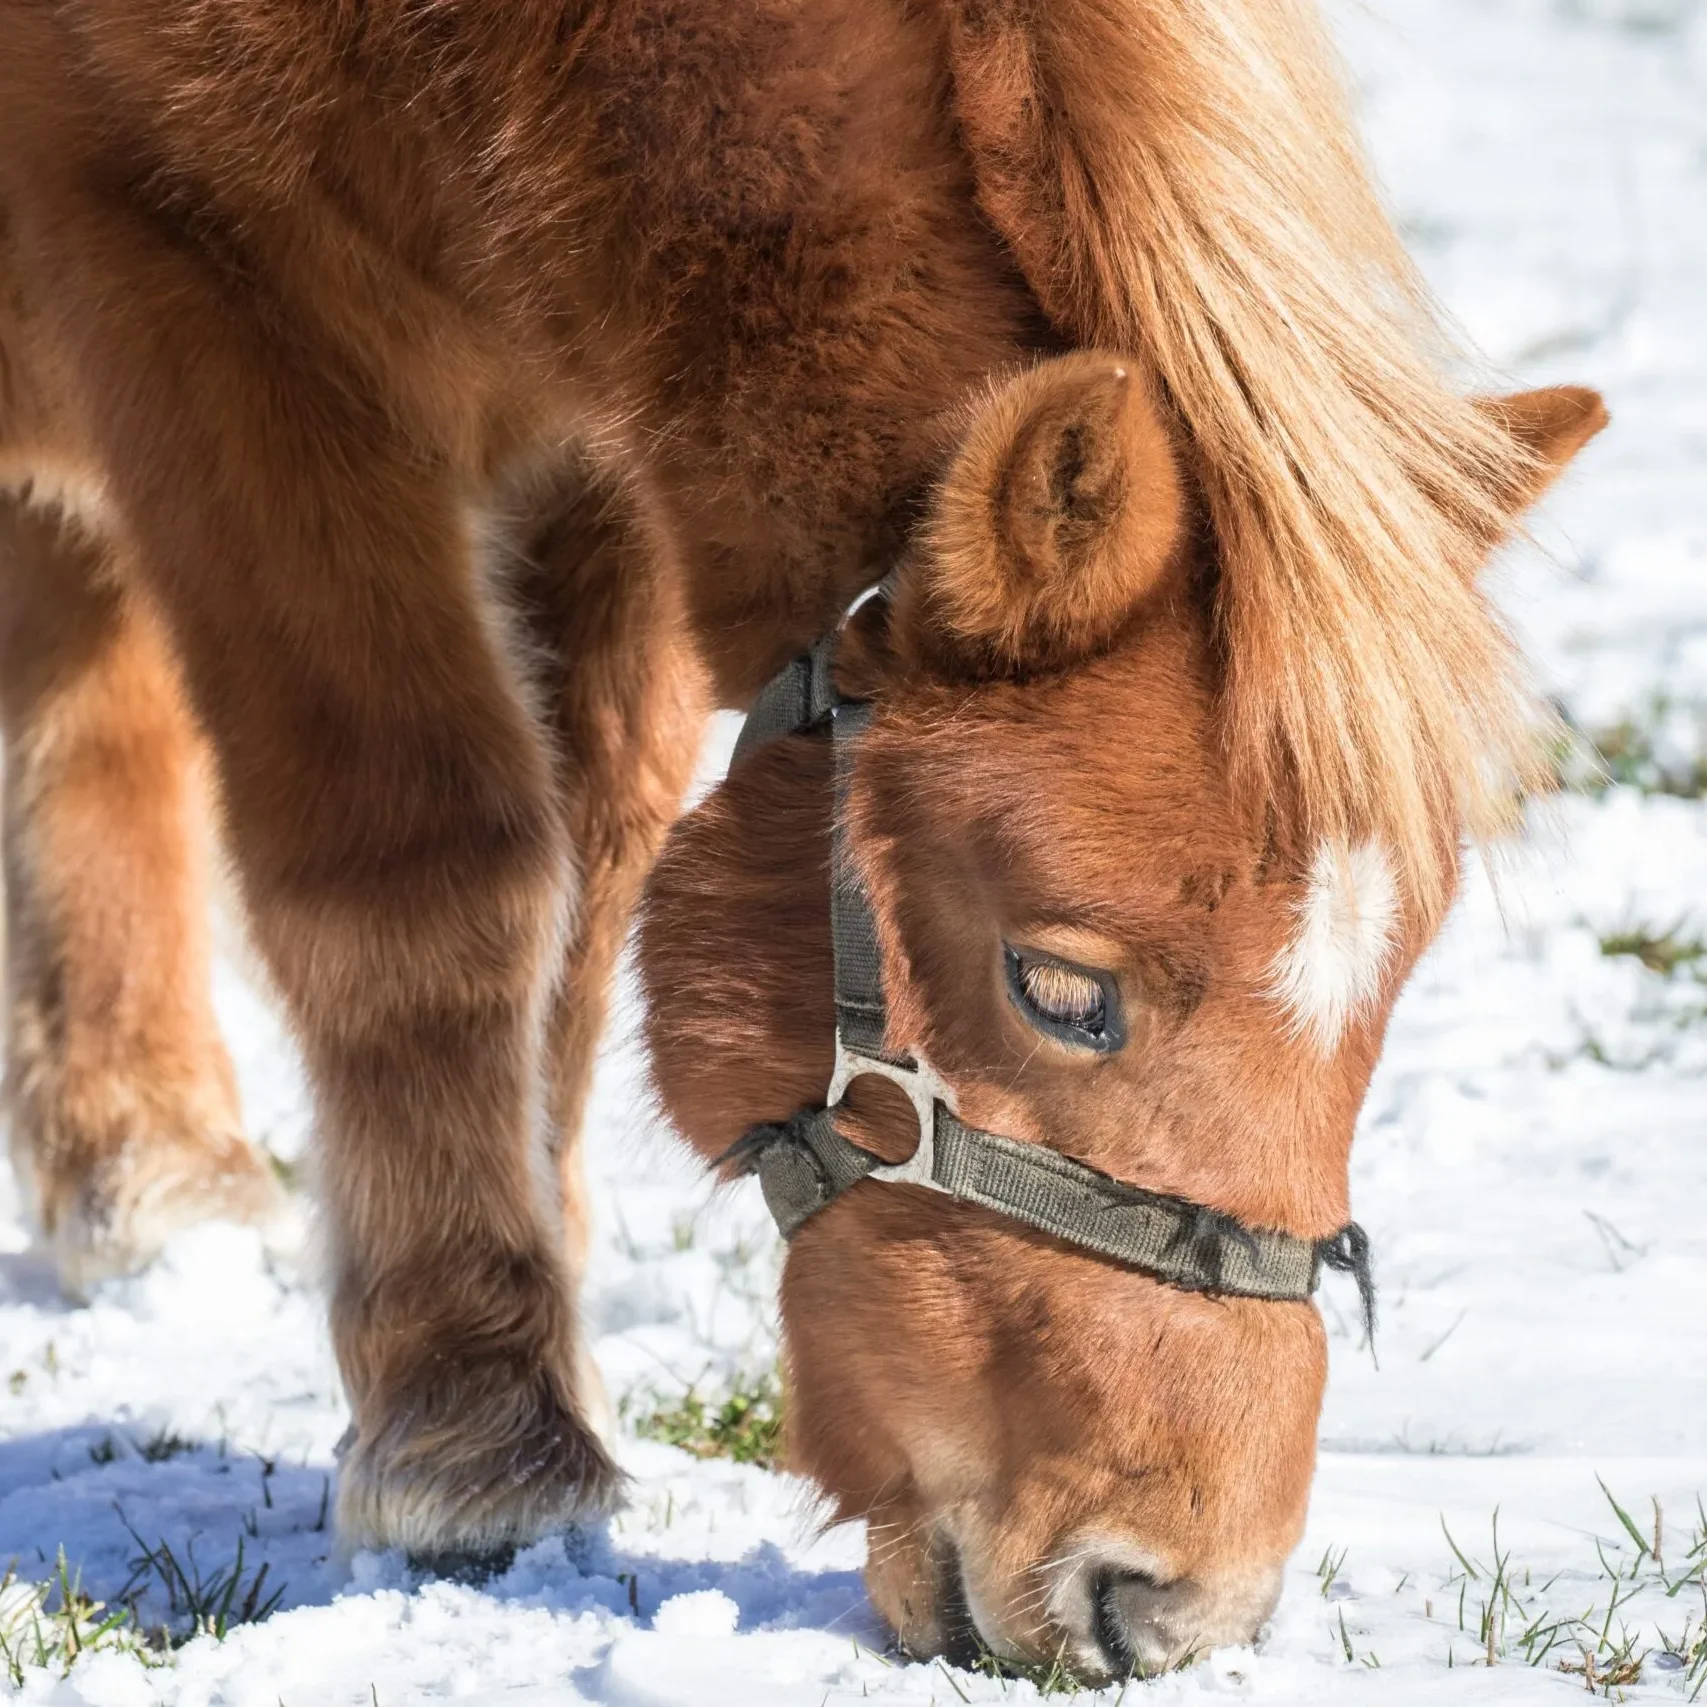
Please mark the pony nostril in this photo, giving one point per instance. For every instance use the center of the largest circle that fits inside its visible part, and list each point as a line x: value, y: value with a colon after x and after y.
x: 1128, y: 1610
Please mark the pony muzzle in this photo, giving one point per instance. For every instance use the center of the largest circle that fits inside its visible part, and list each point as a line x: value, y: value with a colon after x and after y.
x: 1129, y: 1623
x: 1112, y: 1611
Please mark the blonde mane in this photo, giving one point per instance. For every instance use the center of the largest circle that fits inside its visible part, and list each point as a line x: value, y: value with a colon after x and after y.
x: 1181, y: 177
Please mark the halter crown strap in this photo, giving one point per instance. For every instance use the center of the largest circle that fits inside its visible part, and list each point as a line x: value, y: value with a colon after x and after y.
x: 804, y: 1164
x: 799, y: 697
x: 861, y: 1013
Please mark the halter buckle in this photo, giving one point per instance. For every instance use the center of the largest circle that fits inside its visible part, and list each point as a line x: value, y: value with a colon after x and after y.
x: 922, y: 1087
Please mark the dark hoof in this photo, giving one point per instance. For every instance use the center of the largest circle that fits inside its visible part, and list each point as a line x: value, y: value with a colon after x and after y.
x: 473, y: 1567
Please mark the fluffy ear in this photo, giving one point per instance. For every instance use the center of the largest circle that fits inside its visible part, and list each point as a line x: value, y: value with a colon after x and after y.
x: 1063, y: 509
x: 1552, y: 424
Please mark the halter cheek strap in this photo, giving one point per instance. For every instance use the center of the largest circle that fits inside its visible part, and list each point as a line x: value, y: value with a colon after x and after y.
x: 803, y: 1164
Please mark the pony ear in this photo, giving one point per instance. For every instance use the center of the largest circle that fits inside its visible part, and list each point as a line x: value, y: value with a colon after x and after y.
x: 1552, y: 424
x: 1061, y: 512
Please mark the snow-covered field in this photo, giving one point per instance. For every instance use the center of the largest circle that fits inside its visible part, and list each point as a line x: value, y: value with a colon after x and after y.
x: 1532, y: 1164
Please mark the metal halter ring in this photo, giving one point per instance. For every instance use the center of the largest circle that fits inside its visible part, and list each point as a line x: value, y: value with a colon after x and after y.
x: 919, y: 1083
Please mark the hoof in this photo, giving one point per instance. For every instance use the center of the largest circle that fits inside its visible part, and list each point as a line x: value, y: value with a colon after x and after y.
x: 470, y: 1468
x: 474, y: 1569
x: 107, y: 1211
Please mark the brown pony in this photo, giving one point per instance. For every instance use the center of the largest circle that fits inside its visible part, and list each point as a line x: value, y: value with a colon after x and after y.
x: 458, y: 400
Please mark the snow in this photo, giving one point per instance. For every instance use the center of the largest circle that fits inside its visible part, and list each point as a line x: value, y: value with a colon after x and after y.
x: 1531, y: 1163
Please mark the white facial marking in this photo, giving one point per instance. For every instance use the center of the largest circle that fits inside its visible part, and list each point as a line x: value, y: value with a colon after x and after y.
x: 1347, y: 924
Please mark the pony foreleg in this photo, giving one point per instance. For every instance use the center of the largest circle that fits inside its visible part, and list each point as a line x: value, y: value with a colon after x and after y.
x: 407, y: 865
x: 124, y: 1119
x: 627, y: 698
x: 391, y: 815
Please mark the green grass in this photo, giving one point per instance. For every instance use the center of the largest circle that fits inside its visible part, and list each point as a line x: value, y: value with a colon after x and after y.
x: 1672, y: 1003
x: 199, y: 1602
x: 50, y: 1625
x: 1055, y: 1678
x: 156, y: 1448
x: 1631, y: 754
x: 1641, y: 1614
x: 289, y: 1174
x: 1675, y: 949
x: 746, y: 1425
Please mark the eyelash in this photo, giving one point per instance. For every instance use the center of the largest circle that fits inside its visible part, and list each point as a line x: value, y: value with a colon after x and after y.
x: 1100, y: 1028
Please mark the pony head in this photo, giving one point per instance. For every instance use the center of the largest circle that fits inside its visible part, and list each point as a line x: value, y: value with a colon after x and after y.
x: 1105, y: 942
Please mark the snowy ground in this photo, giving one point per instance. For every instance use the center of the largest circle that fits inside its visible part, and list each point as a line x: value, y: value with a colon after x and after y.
x: 1532, y: 1165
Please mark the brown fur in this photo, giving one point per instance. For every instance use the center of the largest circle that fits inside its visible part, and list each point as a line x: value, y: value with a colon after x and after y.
x: 1062, y: 507
x: 477, y: 391
x: 1223, y: 223
x: 993, y: 1403
x: 122, y: 1104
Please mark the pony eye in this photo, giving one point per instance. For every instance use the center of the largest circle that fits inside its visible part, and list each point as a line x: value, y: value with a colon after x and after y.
x: 1070, y: 1003
x: 1063, y: 993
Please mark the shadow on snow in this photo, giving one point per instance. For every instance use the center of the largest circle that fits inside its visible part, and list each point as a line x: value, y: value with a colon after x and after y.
x: 113, y: 1494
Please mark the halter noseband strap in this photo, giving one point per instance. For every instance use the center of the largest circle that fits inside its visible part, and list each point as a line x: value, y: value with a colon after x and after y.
x: 804, y: 1164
